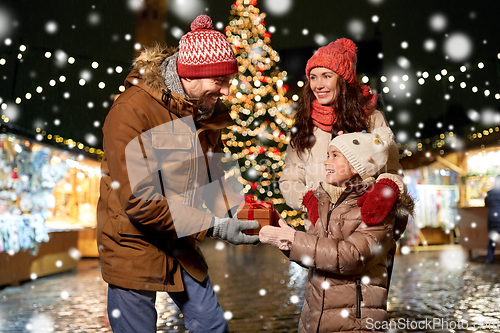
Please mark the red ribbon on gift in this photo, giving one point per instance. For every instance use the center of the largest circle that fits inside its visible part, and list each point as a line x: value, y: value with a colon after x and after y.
x: 256, y: 204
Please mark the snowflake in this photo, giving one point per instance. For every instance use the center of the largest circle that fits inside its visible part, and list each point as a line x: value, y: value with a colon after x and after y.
x: 278, y: 7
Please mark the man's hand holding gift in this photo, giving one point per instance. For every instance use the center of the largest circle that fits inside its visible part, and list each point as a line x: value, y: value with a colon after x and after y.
x: 231, y: 230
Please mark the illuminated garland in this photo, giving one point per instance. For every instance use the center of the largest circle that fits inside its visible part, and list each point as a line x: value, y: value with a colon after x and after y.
x: 439, y: 141
x: 52, y: 82
x: 423, y: 76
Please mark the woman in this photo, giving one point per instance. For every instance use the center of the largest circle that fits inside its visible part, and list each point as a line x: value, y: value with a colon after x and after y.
x: 332, y: 103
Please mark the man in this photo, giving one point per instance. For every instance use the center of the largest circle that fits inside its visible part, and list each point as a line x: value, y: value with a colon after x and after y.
x: 157, y: 137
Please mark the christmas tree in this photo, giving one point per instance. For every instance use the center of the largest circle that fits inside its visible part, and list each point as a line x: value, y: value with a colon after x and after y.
x: 260, y: 108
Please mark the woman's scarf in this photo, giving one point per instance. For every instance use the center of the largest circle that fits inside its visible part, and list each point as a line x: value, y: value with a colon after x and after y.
x: 323, y: 116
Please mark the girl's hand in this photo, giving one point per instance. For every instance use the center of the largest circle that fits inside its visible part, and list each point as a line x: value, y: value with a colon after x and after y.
x: 311, y: 204
x: 282, y: 237
x: 378, y: 202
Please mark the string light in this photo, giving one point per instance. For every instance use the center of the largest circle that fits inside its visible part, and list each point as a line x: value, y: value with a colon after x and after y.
x: 62, y: 78
x: 440, y: 141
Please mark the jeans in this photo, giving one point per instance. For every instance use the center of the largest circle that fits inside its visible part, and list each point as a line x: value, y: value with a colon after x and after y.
x: 132, y: 311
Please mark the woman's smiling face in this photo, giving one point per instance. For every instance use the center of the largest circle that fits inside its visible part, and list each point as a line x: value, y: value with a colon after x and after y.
x: 323, y: 82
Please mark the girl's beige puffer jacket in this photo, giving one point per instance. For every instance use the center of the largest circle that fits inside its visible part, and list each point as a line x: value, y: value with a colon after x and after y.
x: 347, y: 262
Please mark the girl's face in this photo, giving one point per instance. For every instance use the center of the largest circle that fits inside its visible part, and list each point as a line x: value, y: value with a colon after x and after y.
x: 323, y: 82
x: 338, y: 168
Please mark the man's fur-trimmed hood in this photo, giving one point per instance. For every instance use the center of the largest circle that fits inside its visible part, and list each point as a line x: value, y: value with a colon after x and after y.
x: 149, y: 62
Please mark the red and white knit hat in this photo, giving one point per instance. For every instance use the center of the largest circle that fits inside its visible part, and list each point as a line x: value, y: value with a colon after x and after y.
x: 339, y: 56
x: 205, y: 52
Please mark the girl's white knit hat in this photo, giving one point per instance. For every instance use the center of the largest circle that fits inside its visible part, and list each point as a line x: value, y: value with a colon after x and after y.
x: 366, y: 152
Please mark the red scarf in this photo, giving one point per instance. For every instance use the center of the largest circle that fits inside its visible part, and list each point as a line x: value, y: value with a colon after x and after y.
x: 323, y: 116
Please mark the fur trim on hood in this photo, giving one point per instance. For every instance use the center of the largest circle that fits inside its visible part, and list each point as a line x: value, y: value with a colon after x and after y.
x: 405, y: 205
x: 149, y: 62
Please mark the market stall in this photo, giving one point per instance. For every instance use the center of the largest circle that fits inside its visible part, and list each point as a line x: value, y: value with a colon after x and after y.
x: 436, y: 192
x: 48, y: 200
x: 450, y: 191
x: 480, y: 169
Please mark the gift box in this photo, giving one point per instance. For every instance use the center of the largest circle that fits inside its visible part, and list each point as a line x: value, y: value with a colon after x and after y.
x: 261, y: 211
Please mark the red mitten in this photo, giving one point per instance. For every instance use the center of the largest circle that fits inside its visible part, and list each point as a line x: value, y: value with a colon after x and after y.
x: 311, y: 203
x: 378, y: 202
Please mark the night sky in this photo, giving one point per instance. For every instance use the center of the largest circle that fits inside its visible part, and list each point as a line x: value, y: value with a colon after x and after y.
x: 394, y: 37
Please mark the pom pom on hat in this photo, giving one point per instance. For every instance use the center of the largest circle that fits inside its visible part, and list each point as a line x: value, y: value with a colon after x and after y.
x: 383, y: 133
x: 366, y: 152
x: 346, y: 45
x: 205, y: 52
x: 338, y: 56
x: 202, y: 22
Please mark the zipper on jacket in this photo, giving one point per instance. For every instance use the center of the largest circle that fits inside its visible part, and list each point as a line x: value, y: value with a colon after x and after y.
x: 359, y: 298
x: 322, y: 310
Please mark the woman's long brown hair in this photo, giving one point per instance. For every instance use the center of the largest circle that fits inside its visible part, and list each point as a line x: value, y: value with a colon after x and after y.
x: 349, y: 111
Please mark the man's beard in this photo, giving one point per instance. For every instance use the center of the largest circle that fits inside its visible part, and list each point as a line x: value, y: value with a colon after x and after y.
x: 206, y: 108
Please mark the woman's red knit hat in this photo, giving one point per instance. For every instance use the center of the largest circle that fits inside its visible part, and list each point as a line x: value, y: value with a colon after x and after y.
x: 205, y: 52
x: 339, y: 56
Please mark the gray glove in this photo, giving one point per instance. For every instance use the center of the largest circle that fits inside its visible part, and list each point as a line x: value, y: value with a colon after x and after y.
x: 229, y: 229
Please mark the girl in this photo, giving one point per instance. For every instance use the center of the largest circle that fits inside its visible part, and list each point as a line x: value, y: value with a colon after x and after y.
x: 348, y: 248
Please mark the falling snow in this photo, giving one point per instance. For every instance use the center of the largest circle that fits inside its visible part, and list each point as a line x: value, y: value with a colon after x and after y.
x: 325, y: 285
x: 94, y: 19
x: 64, y: 294
x: 5, y: 22
x: 41, y: 322
x: 51, y: 27
x: 403, y: 62
x: 320, y: 39
x: 458, y: 46
x: 135, y: 5
x: 278, y: 7
x: 61, y: 58
x: 228, y: 315
x: 74, y: 253
x: 429, y: 45
x: 86, y: 75
x: 187, y: 10
x: 356, y: 28
x: 116, y: 313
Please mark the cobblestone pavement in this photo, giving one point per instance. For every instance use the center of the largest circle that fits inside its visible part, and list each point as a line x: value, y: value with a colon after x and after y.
x: 261, y: 291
